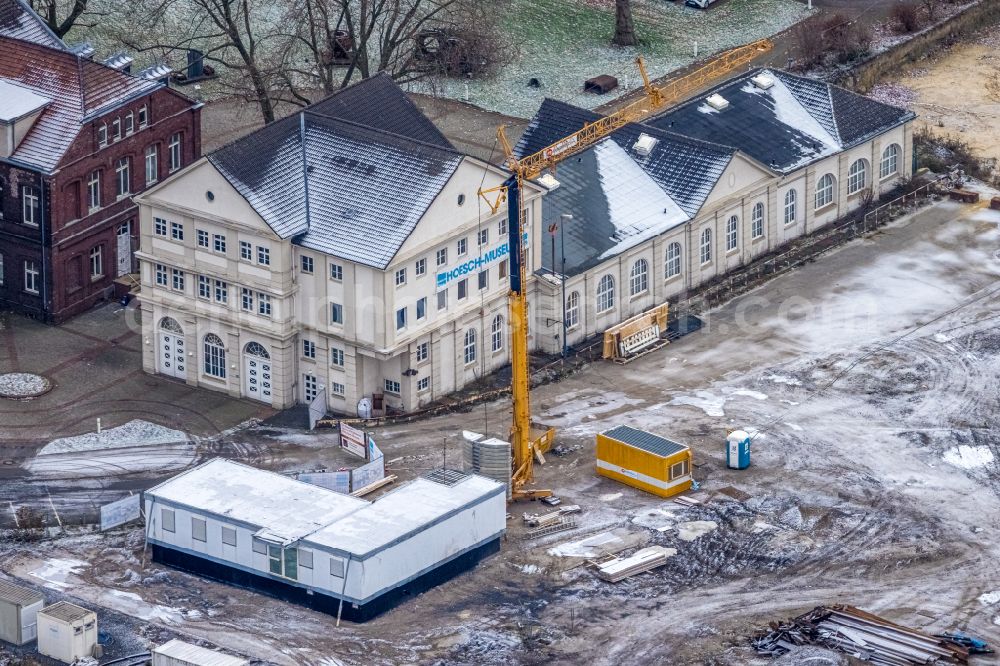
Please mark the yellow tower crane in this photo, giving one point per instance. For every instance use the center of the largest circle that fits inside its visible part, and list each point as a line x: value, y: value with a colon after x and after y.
x: 525, y: 442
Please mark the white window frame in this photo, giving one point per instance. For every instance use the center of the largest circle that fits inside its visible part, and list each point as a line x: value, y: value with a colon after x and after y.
x: 214, y: 364
x: 857, y: 176
x: 705, y: 247
x: 423, y: 384
x: 123, y: 178
x: 391, y: 386
x: 605, y: 294
x: 94, y: 190
x: 791, y: 199
x: 337, y: 357
x: 30, y: 205
x: 573, y: 310
x: 219, y: 243
x: 306, y: 264
x: 174, y: 149
x: 824, y: 191
x: 470, y: 346
x: 672, y: 262
x: 889, y: 165
x: 757, y: 221
x: 732, y: 233
x: 31, y: 274
x: 639, y: 278
x: 336, y: 272
x: 152, y: 165
x: 400, y: 277
x: 97, y: 262
x: 442, y: 256
x: 337, y: 314
x: 422, y: 352
x: 246, y: 251
x: 496, y: 334
x: 420, y: 267
x: 177, y: 231
x: 401, y: 318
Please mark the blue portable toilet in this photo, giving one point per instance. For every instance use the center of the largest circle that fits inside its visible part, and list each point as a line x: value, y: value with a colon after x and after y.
x: 738, y: 450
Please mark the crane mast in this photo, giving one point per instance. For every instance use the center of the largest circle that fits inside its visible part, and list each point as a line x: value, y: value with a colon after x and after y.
x: 525, y: 443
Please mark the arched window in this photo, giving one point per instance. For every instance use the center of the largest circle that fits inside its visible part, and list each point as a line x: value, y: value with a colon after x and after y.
x: 732, y: 233
x: 573, y: 309
x: 470, y: 346
x: 857, y: 177
x: 170, y: 325
x: 673, y: 265
x: 706, y: 246
x: 605, y: 294
x: 824, y: 191
x: 890, y: 161
x: 639, y: 280
x: 757, y: 221
x: 256, y: 349
x: 215, y: 356
x: 790, y: 197
x: 496, y: 333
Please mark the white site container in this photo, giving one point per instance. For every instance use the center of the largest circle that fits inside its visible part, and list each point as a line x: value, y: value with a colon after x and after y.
x: 67, y: 632
x: 179, y: 653
x: 19, y: 607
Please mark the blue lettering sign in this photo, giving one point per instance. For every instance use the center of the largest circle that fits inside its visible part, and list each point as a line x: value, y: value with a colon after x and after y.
x: 473, y: 265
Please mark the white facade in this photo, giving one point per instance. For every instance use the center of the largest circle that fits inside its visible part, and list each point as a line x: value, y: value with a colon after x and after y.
x: 269, y: 525
x: 67, y: 632
x: 345, y: 326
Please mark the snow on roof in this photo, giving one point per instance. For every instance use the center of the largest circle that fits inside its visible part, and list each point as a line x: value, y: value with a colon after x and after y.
x: 17, y: 101
x: 403, y: 511
x: 287, y: 508
x: 193, y: 654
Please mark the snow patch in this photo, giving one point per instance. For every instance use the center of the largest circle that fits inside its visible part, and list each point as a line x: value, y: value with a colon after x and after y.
x: 989, y: 598
x: 712, y: 404
x: 968, y: 457
x: 783, y: 379
x: 134, y: 433
x: 610, y: 497
x: 530, y: 569
x: 696, y: 528
x: 589, y: 547
x: 941, y: 337
x: 656, y: 518
x: 55, y: 571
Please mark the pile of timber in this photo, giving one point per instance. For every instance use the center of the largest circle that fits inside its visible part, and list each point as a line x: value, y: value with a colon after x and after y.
x: 543, y: 519
x: 861, y: 635
x: 619, y: 568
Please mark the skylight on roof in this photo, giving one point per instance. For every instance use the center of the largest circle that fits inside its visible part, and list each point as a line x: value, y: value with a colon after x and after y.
x: 717, y: 102
x: 763, y: 81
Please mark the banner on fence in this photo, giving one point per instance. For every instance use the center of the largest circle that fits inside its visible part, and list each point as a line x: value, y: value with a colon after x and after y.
x: 317, y: 407
x: 374, y: 453
x: 367, y: 474
x: 352, y: 440
x: 120, y: 512
x: 337, y: 481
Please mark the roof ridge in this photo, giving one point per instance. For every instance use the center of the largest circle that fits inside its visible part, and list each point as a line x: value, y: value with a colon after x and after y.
x: 378, y: 130
x: 828, y: 89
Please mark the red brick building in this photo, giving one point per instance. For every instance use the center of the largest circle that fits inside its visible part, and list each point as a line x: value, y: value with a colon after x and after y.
x: 77, y: 140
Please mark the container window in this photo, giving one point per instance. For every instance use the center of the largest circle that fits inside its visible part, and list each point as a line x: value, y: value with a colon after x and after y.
x: 259, y: 546
x: 274, y: 559
x: 305, y: 558
x: 678, y: 470
x: 228, y: 536
x: 199, y: 530
x: 291, y: 563
x: 337, y: 567
x: 77, y: 630
x: 167, y: 516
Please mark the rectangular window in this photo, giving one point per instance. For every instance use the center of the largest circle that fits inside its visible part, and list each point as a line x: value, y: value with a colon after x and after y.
x: 420, y: 267
x: 228, y: 536
x: 168, y: 518
x: 123, y: 182
x: 246, y: 299
x: 175, y: 152
x: 391, y: 386
x: 310, y: 387
x: 309, y: 349
x: 484, y: 237
x: 307, y: 264
x: 178, y: 279
x: 338, y: 388
x: 484, y: 279
x: 274, y: 559
x: 152, y: 165
x: 143, y: 116
x: 102, y: 135
x: 305, y: 558
x: 116, y: 129
x: 463, y: 288
x: 263, y: 304
x: 443, y: 299
x: 421, y: 308
x: 291, y: 563
x: 259, y: 546
x: 423, y: 383
x: 30, y: 210
x: 246, y: 250
x: 336, y: 313
x: 177, y: 231
x: 199, y: 530
x: 337, y: 357
x: 202, y: 238
x: 97, y: 264
x: 422, y: 352
x: 400, y: 277
x: 442, y: 256
x: 204, y: 287
x: 502, y: 227
x: 462, y: 247
x: 219, y: 243
x: 336, y: 567
x: 159, y: 226
x: 161, y: 275
x: 221, y: 292
x: 502, y: 269
x: 678, y: 470
x: 263, y: 256
x: 336, y: 272
x: 94, y: 190
x: 400, y: 319
x: 129, y: 123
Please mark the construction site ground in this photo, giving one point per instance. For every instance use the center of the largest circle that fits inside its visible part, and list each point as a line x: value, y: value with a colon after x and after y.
x: 871, y: 376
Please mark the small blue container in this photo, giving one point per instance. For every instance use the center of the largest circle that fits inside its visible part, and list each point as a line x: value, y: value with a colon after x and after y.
x: 738, y: 450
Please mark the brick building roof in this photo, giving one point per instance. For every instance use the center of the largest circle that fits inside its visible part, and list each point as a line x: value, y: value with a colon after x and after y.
x: 17, y: 20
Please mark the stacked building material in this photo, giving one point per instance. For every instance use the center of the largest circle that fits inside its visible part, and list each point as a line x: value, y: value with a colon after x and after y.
x: 620, y: 568
x: 862, y: 635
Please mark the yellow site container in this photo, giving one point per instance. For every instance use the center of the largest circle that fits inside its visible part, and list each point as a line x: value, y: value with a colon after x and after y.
x: 643, y: 460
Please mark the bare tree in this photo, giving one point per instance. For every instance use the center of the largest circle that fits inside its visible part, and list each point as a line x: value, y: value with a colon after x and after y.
x: 60, y: 18
x: 624, y: 24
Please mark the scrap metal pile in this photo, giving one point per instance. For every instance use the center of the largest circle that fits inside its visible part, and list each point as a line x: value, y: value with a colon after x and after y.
x: 862, y: 635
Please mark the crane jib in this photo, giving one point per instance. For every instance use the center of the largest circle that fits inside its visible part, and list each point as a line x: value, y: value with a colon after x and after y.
x: 514, y: 232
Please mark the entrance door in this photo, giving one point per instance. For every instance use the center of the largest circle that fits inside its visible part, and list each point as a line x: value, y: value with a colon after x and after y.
x: 171, y: 357
x: 257, y: 372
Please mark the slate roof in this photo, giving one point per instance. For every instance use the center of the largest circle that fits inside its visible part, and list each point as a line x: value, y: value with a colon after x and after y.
x: 19, y: 21
x: 795, y: 122
x: 647, y: 441
x: 375, y: 163
x: 80, y: 90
